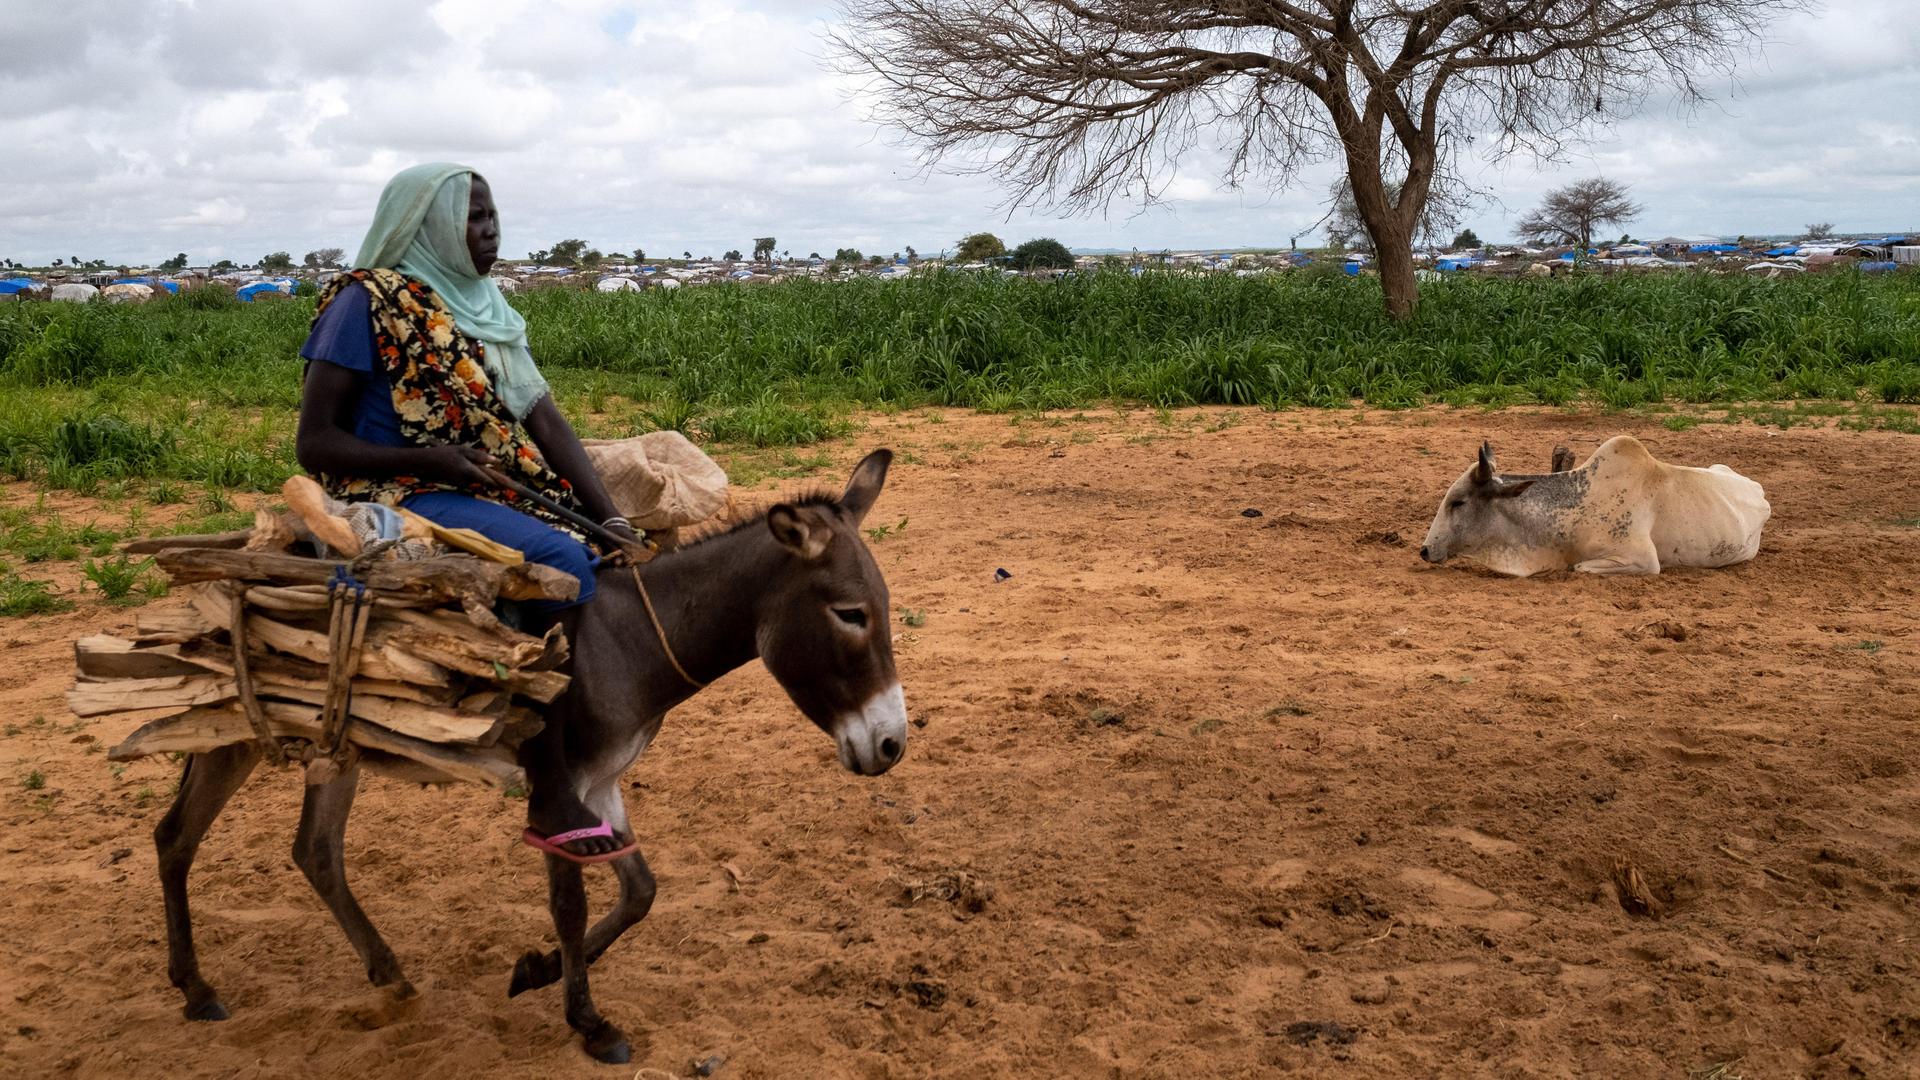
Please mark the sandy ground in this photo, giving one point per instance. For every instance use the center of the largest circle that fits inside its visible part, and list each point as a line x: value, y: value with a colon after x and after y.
x: 1232, y: 796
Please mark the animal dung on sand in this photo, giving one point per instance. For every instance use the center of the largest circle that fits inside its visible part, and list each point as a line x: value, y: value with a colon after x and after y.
x: 420, y: 678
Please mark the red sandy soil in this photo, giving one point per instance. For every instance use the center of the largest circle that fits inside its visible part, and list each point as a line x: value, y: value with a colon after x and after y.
x: 1211, y: 784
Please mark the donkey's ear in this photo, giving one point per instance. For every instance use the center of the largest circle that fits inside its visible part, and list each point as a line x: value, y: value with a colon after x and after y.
x: 1483, y: 469
x: 868, y: 478
x: 798, y: 531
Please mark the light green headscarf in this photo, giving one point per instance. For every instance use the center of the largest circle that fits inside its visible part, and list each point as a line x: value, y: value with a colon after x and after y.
x: 420, y: 229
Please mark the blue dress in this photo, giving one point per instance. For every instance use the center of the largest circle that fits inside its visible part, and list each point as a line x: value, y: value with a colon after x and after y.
x: 343, y: 336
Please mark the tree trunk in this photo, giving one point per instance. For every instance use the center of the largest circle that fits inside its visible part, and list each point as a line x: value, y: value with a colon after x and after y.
x: 1393, y: 249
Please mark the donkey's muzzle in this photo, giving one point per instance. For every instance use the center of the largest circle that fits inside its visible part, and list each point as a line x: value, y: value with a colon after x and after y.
x: 874, y: 739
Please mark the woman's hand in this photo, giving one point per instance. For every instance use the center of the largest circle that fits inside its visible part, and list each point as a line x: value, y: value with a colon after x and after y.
x: 457, y: 465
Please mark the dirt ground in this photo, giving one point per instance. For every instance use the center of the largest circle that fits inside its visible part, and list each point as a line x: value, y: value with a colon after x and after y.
x: 1220, y: 796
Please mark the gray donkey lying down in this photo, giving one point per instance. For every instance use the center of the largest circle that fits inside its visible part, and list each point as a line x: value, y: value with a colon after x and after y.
x: 1621, y: 512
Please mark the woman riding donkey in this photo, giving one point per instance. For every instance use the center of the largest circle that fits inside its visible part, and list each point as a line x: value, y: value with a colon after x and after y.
x: 421, y: 393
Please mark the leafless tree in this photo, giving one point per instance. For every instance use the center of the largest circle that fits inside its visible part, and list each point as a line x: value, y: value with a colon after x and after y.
x: 1569, y: 214
x: 1346, y: 228
x: 1074, y: 103
x: 1820, y: 230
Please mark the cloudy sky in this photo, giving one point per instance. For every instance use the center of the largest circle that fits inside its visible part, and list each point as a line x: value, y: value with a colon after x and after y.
x: 230, y: 128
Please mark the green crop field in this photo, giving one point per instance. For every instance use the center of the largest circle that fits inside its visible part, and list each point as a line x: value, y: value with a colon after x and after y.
x: 202, y: 390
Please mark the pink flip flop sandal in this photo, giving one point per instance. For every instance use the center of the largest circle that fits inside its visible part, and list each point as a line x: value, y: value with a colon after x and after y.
x: 551, y: 844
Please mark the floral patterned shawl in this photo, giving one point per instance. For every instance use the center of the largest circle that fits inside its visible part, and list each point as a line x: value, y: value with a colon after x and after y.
x: 443, y: 397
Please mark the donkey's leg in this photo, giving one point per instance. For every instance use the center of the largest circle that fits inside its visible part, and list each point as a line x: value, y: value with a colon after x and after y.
x: 207, y: 782
x: 317, y: 850
x: 536, y: 969
x: 567, y: 897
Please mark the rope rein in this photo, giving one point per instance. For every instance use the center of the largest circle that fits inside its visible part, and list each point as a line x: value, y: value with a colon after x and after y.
x: 661, y: 631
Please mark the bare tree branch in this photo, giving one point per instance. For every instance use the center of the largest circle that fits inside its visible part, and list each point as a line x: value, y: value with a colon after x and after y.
x: 1073, y: 104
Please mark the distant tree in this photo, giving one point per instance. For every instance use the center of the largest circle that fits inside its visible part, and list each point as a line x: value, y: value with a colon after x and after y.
x: 568, y: 252
x: 876, y: 260
x: 1569, y: 214
x: 1820, y: 231
x: 224, y: 266
x: 732, y: 255
x: 178, y: 262
x: 75, y: 261
x: 590, y: 258
x: 763, y: 248
x: 540, y: 256
x: 639, y: 255
x: 815, y: 256
x: 1043, y: 253
x: 324, y: 257
x: 1466, y: 239
x: 979, y: 247
x: 276, y: 261
x: 912, y: 255
x: 58, y: 262
x: 686, y: 256
x: 848, y: 255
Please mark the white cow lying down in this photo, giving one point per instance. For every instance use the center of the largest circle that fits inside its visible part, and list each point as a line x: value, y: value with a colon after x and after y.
x: 1620, y: 513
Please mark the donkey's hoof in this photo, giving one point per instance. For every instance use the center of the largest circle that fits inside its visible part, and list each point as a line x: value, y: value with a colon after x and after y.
x: 607, y: 1046
x: 532, y: 971
x: 209, y: 1009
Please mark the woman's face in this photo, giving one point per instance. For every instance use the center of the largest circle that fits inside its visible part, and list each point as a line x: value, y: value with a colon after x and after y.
x: 483, y: 227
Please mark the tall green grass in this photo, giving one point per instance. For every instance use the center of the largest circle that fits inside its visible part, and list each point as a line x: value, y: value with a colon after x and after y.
x: 199, y: 388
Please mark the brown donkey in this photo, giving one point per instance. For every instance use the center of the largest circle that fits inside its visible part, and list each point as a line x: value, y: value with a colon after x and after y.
x: 796, y: 587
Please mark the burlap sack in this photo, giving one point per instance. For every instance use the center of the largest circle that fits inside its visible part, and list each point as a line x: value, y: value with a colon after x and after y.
x: 659, y: 480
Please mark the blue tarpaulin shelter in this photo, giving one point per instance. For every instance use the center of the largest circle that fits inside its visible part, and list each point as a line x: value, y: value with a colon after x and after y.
x: 1792, y: 249
x: 248, y: 292
x: 14, y: 285
x: 1712, y: 249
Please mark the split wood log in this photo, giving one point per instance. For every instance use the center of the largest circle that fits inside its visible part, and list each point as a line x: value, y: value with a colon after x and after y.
x: 174, y: 627
x: 271, y: 532
x: 208, y: 728
x: 460, y: 578
x: 379, y: 664
x: 103, y: 656
x: 474, y: 727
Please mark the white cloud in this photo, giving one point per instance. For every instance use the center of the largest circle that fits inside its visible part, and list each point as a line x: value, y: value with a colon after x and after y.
x: 233, y: 128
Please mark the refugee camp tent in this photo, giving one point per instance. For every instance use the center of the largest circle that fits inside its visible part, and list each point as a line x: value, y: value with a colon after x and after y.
x: 15, y: 285
x: 74, y: 292
x: 1790, y: 249
x: 127, y: 292
x: 250, y: 293
x: 1712, y: 249
x: 617, y: 283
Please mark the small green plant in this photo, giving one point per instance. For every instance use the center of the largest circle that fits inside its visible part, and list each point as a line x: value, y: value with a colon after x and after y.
x: 23, y: 596
x: 1870, y: 646
x: 514, y: 792
x: 1286, y: 708
x: 1677, y: 422
x: 914, y: 617
x: 881, y: 532
x: 143, y: 796
x: 166, y: 493
x: 116, y: 577
x: 35, y: 780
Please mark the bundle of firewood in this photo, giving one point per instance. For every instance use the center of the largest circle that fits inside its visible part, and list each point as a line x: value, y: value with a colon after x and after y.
x: 440, y: 689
